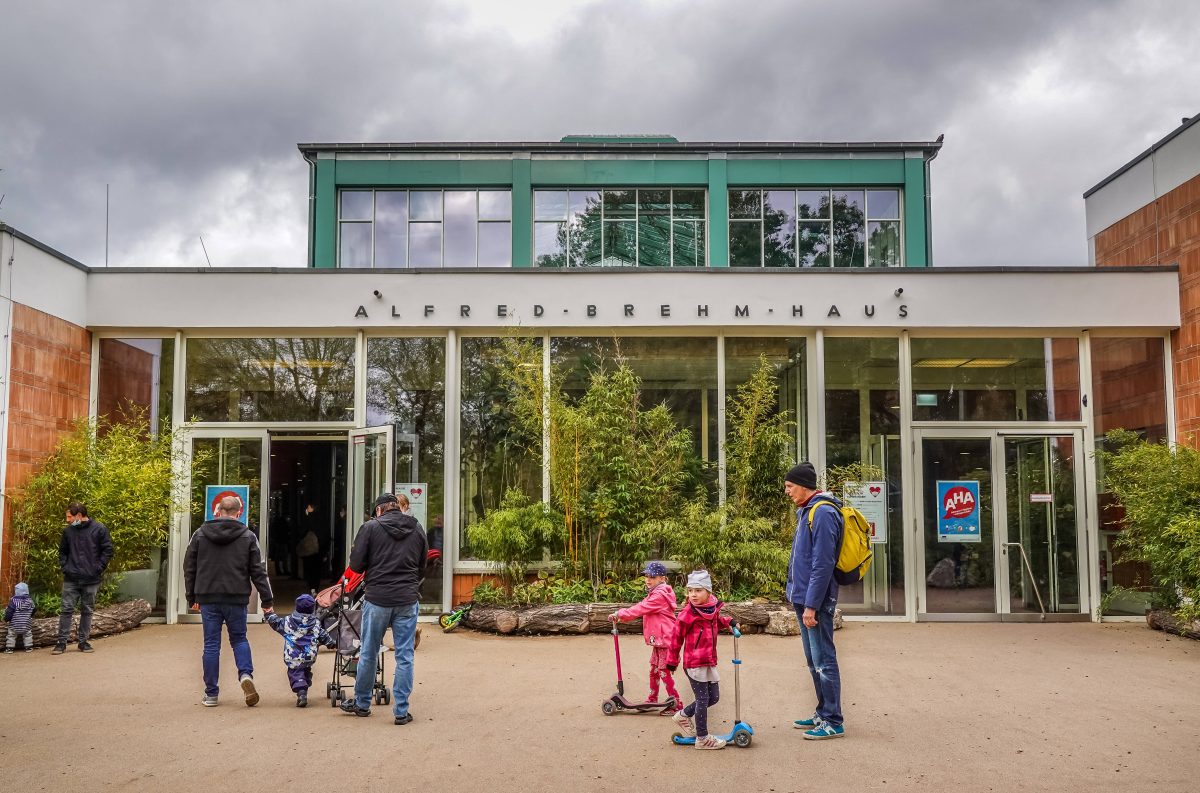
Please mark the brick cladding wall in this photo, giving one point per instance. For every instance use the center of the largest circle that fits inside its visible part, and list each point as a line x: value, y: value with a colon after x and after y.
x: 51, y: 369
x: 1167, y: 231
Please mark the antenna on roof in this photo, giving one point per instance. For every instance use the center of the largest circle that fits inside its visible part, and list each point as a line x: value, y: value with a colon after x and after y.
x: 205, y: 250
x: 106, y: 225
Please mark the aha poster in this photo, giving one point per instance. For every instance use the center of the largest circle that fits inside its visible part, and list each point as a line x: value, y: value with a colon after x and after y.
x: 958, y: 511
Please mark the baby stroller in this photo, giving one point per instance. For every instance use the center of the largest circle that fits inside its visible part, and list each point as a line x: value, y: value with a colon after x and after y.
x: 340, y: 609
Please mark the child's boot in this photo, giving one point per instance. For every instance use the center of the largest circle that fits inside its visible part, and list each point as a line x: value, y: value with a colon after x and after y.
x: 302, y: 699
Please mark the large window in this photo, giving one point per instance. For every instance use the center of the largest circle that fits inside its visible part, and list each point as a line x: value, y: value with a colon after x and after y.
x: 814, y: 227
x: 649, y: 228
x: 136, y: 375
x: 269, y: 379
x: 425, y: 228
x: 406, y: 387
x: 862, y: 425
x: 496, y: 453
x: 742, y: 357
x: 996, y: 379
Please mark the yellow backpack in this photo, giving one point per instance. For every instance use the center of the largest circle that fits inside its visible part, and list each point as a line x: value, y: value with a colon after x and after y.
x: 854, y: 555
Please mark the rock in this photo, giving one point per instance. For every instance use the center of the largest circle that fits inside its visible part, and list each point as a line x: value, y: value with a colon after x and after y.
x: 837, y: 619
x: 117, y: 618
x: 783, y: 623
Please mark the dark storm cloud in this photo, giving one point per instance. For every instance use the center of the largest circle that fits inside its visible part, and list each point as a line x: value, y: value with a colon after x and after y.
x: 191, y: 111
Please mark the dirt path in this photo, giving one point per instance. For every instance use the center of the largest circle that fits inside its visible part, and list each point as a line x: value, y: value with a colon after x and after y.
x: 938, y: 707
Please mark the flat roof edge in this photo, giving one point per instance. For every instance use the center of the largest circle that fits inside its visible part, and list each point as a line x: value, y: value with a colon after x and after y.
x: 1112, y: 177
x: 5, y: 228
x: 623, y: 146
x: 864, y: 272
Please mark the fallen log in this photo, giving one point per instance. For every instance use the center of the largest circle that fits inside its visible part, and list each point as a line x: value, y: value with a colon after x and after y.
x: 117, y: 618
x: 1165, y: 621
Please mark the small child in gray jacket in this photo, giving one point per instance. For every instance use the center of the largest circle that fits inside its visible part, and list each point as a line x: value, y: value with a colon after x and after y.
x: 19, y: 616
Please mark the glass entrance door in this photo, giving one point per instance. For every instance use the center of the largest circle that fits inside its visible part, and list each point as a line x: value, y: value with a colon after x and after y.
x: 370, y: 455
x: 1002, y: 532
x: 221, y: 461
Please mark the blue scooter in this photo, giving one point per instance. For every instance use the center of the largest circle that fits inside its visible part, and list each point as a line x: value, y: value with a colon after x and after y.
x: 742, y: 733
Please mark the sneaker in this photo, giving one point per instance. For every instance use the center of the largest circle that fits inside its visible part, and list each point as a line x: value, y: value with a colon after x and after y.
x: 8, y: 651
x: 59, y: 649
x: 209, y: 701
x: 249, y: 690
x: 349, y: 706
x: 710, y: 742
x: 28, y: 649
x: 807, y: 724
x: 85, y: 647
x: 402, y: 720
x: 302, y: 699
x: 823, y: 731
x: 685, y: 724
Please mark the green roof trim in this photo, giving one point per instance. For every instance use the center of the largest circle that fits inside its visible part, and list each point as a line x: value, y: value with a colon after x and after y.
x: 618, y: 139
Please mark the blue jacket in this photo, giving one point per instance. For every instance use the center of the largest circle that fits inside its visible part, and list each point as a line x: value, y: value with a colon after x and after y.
x: 814, y: 554
x: 301, y: 635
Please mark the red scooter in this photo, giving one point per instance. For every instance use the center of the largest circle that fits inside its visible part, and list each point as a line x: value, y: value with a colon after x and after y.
x: 618, y: 702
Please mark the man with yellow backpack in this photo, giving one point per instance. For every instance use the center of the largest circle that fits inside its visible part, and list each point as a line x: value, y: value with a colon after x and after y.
x: 827, y: 548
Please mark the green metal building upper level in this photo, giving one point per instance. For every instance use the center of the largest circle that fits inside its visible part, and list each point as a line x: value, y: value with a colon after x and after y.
x: 599, y: 200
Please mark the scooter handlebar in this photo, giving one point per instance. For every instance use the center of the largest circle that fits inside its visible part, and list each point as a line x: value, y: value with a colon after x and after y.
x: 736, y: 633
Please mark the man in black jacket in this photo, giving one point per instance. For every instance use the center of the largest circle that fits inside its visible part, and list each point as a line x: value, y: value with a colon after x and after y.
x: 84, y: 551
x: 222, y: 560
x: 390, y: 550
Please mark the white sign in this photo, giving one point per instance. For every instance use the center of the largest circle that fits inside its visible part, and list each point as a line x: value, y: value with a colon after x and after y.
x: 1041, y: 498
x: 416, y: 493
x: 869, y: 498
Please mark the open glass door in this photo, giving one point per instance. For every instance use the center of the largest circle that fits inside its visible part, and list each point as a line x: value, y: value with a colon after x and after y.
x: 370, y: 456
x: 220, y: 461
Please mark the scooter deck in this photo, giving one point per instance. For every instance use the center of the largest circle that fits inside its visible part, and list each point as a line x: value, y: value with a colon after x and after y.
x: 616, y: 703
x: 741, y: 735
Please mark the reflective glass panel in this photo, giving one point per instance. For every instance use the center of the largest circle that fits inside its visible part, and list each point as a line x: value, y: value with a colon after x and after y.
x: 425, y: 244
x: 495, y: 244
x: 584, y: 203
x: 654, y: 200
x: 883, y: 204
x: 550, y: 244
x: 495, y: 205
x: 813, y: 203
x: 585, y: 238
x: 745, y: 243
x: 136, y: 375
x: 688, y: 203
x: 459, y: 229
x: 270, y: 379
x: 425, y: 204
x: 391, y: 228
x: 689, y: 243
x: 779, y: 226
x: 849, y: 229
x: 883, y: 243
x: 654, y: 240
x: 354, y: 245
x: 550, y: 205
x: 356, y: 205
x: 620, y: 240
x: 406, y: 388
x: 812, y: 240
x: 787, y: 357
x: 960, y: 577
x: 620, y: 203
x: 996, y: 379
x: 745, y: 204
x: 495, y: 454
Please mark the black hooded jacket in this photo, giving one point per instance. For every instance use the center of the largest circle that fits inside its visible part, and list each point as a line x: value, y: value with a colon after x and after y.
x: 222, y: 559
x: 84, y: 552
x: 391, y: 551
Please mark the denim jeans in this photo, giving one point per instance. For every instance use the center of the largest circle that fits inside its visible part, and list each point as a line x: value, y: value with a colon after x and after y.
x: 376, y: 619
x: 233, y: 618
x: 822, y: 662
x: 86, y: 595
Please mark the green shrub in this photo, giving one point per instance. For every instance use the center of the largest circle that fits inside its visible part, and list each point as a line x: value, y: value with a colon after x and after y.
x: 1159, y: 488
x: 487, y: 594
x: 514, y: 535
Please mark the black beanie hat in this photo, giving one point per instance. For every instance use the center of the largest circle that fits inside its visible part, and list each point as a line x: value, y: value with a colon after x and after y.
x: 804, y: 475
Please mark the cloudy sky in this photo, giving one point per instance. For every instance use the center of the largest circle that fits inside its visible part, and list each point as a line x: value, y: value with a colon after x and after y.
x: 190, y: 111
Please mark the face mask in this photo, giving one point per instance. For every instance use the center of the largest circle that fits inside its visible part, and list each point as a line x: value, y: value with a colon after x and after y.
x: 76, y: 521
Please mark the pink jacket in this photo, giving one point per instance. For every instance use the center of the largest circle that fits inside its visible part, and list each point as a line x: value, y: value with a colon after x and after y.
x: 657, y: 611
x: 696, y: 636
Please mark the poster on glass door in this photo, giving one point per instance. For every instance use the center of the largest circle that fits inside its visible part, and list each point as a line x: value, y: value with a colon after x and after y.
x: 214, y: 493
x: 416, y: 492
x: 958, y: 510
x: 869, y: 498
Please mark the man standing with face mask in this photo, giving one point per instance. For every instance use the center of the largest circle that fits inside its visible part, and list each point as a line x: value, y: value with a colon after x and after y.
x: 83, y: 553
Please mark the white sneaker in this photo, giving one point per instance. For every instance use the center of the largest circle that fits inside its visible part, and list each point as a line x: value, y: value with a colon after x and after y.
x: 686, y: 729
x: 710, y: 742
x: 209, y: 701
x: 249, y: 690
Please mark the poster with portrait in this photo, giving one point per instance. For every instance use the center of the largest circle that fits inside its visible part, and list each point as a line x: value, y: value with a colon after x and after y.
x: 214, y: 493
x: 417, y: 493
x: 958, y: 511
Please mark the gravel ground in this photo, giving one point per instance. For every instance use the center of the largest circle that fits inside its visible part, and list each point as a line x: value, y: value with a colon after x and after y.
x: 960, y: 707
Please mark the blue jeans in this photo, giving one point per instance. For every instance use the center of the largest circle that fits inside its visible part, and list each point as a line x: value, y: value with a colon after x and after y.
x: 822, y: 662
x: 86, y: 595
x: 375, y: 621
x: 234, y: 619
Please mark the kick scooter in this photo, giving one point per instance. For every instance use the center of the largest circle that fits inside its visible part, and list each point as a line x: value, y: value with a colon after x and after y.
x: 742, y: 733
x: 618, y: 701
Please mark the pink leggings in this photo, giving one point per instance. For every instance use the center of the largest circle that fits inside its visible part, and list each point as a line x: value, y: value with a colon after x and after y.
x: 660, y: 673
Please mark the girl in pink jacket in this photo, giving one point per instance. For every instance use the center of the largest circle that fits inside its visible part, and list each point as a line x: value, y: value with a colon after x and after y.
x: 657, y: 611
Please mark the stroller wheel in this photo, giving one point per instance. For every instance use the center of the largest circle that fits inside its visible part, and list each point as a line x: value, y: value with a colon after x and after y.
x: 387, y: 697
x: 335, y: 697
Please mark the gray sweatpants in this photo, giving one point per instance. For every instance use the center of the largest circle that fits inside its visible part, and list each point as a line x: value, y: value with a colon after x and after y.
x: 11, y: 642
